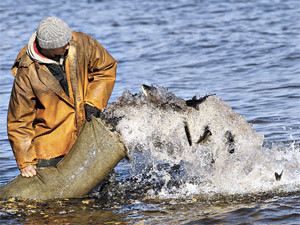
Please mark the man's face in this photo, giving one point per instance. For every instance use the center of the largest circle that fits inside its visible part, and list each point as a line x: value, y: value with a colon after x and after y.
x: 57, y: 51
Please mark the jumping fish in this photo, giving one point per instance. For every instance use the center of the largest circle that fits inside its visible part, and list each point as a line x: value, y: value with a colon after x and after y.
x: 146, y: 89
x: 91, y: 158
x: 278, y: 176
x: 205, y: 135
x: 187, y: 132
x: 230, y: 142
x: 194, y: 102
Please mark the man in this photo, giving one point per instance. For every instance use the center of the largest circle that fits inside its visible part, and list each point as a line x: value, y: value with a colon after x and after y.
x: 62, y: 77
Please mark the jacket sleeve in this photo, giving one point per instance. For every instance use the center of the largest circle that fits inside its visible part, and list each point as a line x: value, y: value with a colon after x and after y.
x: 21, y: 114
x: 101, y: 75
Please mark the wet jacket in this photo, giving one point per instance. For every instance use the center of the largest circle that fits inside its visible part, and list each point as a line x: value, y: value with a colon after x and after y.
x: 43, y: 120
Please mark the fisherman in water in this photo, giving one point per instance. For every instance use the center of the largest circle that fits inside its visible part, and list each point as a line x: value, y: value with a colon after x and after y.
x: 62, y: 77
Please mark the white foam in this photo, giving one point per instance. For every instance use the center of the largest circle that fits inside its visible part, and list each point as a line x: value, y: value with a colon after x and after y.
x: 157, y: 136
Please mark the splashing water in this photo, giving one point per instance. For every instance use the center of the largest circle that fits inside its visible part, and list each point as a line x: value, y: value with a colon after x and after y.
x: 202, y: 149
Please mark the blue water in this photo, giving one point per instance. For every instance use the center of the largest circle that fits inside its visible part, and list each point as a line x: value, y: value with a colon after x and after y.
x: 246, y: 52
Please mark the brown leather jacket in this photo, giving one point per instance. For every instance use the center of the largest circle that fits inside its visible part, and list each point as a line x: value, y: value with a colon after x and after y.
x: 43, y: 121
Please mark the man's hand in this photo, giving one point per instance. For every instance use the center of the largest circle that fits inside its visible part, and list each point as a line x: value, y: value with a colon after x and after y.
x: 28, y: 171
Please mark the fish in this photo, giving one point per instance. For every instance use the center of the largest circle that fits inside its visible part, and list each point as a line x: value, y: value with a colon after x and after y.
x: 91, y: 158
x: 146, y: 89
x: 195, y: 102
x: 205, y: 135
x: 187, y: 132
x: 230, y: 141
x: 278, y: 176
x: 162, y: 98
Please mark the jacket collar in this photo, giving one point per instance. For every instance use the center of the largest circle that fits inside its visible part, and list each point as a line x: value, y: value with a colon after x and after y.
x: 51, y: 82
x: 35, y: 55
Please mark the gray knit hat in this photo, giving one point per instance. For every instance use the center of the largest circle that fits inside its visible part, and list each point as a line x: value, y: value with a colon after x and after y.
x: 53, y: 33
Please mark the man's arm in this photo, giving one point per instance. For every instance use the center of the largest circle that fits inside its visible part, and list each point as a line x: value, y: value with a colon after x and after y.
x: 101, y: 76
x: 21, y: 114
